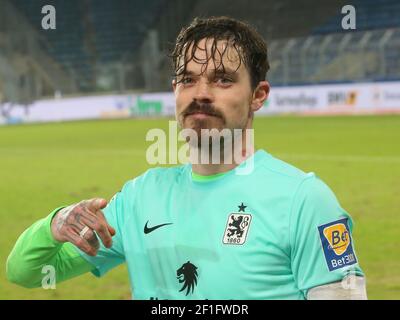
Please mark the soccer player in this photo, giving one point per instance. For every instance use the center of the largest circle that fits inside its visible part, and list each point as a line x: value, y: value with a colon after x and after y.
x: 208, y: 230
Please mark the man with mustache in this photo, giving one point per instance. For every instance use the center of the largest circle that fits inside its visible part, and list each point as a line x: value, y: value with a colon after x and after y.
x: 205, y: 230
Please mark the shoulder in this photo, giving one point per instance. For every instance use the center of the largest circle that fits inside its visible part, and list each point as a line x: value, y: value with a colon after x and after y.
x: 282, y: 175
x: 302, y: 187
x: 282, y: 169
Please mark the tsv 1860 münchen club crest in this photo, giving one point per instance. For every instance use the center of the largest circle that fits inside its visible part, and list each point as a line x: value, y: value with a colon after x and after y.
x: 237, y: 227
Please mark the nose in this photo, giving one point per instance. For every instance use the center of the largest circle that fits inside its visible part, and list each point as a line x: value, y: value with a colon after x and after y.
x: 204, y: 92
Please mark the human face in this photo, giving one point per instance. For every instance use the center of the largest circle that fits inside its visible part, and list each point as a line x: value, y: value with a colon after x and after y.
x: 208, y: 98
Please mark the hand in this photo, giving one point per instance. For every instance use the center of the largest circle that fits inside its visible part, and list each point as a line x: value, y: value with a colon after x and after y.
x: 68, y: 223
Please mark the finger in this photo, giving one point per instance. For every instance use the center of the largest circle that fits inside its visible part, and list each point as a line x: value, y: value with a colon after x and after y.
x: 94, y: 241
x: 100, y: 226
x: 80, y: 242
x: 89, y: 208
x: 96, y: 204
x: 89, y: 235
x: 91, y: 238
x: 109, y: 227
x: 100, y: 215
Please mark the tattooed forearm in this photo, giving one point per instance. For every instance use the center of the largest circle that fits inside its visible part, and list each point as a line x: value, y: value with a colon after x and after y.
x: 62, y: 217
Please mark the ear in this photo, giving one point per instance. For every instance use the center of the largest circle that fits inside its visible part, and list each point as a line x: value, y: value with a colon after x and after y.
x: 174, y: 85
x: 260, y: 95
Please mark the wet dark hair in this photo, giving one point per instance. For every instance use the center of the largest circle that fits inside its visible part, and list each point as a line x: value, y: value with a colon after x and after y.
x: 248, y: 43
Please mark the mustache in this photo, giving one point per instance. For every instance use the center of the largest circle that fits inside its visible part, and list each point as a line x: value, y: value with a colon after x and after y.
x: 207, y: 108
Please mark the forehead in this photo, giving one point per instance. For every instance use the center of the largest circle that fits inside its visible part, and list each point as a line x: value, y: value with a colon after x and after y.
x: 211, y: 55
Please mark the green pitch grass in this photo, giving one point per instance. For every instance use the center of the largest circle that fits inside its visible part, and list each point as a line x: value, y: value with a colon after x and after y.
x: 45, y: 166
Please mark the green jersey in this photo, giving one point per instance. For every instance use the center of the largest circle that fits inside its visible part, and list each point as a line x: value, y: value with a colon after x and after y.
x: 272, y: 233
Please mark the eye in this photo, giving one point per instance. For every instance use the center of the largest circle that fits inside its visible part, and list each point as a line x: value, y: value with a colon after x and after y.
x: 224, y: 80
x: 186, y: 80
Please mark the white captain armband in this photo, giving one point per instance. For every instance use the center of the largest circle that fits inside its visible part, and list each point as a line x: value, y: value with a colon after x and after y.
x: 350, y: 288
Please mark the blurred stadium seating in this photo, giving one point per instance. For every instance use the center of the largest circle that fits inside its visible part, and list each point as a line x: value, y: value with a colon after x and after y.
x: 336, y: 57
x: 104, y: 46
x: 26, y: 69
x: 91, y: 33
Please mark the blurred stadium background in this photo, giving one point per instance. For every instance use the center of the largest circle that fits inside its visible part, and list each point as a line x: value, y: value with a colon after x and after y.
x: 113, y: 53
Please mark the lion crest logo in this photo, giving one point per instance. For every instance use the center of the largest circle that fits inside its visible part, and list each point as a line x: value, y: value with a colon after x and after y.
x: 237, y: 228
x: 187, y: 274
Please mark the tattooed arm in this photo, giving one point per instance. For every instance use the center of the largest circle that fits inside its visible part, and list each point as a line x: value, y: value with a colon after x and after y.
x: 50, y: 242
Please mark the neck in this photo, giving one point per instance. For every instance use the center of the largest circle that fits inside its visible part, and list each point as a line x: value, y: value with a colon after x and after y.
x: 227, y: 159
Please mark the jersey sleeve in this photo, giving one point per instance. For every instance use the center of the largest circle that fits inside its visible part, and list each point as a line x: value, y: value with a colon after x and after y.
x: 322, y: 247
x: 109, y: 258
x: 36, y: 249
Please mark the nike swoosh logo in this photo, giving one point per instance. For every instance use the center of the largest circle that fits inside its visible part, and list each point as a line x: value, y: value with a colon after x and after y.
x: 148, y: 230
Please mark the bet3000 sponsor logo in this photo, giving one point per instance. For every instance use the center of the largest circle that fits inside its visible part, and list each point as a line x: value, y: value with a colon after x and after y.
x: 337, y: 245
